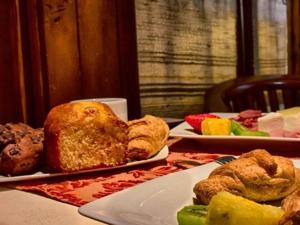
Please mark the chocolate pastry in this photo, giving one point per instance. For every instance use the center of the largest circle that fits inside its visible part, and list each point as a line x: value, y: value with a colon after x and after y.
x: 6, y: 137
x: 11, y: 133
x: 21, y: 148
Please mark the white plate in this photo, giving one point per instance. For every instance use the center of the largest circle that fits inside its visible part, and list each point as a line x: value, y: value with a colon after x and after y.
x: 184, y: 130
x: 38, y: 175
x: 155, y: 202
x: 238, y: 144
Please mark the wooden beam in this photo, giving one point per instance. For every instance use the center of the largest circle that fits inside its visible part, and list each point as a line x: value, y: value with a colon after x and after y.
x: 245, y: 44
x: 293, y: 7
x: 128, y: 56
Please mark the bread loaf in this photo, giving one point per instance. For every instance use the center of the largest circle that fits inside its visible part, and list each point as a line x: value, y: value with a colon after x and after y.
x: 84, y: 135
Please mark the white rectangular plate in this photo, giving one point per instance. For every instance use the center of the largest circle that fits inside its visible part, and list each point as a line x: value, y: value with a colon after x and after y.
x: 184, y: 130
x: 39, y: 175
x: 238, y: 144
x: 155, y: 202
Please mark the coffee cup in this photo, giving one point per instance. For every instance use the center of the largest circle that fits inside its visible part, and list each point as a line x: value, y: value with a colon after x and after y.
x: 117, y: 105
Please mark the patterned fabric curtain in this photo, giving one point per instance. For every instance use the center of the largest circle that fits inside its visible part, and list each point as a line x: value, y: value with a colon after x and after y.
x: 270, y: 34
x: 184, y: 47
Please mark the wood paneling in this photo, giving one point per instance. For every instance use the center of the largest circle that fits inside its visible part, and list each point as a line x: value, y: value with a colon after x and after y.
x: 98, y: 50
x: 55, y: 51
x: 11, y: 75
x: 59, y: 28
x: 36, y: 82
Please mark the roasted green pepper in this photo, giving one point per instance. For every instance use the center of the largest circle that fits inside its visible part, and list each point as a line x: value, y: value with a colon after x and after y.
x: 239, y: 130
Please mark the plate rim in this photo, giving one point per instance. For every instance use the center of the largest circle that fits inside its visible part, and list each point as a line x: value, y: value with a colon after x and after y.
x: 90, y: 209
x: 161, y: 155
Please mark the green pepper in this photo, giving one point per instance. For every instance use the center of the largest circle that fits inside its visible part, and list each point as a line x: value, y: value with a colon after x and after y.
x: 239, y: 130
x: 192, y: 215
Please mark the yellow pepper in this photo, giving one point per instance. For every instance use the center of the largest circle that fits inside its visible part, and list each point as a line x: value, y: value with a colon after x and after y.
x: 216, y: 126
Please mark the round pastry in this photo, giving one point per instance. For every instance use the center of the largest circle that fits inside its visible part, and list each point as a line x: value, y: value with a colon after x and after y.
x: 84, y: 135
x: 6, y: 137
x: 21, y: 149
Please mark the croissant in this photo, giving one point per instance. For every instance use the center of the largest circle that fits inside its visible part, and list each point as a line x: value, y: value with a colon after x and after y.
x: 256, y: 175
x: 146, y: 137
x: 291, y: 207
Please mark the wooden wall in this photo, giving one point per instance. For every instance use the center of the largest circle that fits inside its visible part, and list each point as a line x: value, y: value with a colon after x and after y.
x: 55, y: 51
x: 11, y: 73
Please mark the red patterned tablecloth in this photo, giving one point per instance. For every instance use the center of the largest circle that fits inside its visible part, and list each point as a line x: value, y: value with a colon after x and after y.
x: 80, y: 189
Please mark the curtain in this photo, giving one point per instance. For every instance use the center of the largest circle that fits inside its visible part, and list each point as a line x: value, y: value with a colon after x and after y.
x: 270, y: 37
x: 184, y: 47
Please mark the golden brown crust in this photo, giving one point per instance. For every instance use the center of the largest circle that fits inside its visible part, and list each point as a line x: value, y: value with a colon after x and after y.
x: 255, y: 175
x: 291, y: 206
x: 84, y: 135
x: 146, y: 137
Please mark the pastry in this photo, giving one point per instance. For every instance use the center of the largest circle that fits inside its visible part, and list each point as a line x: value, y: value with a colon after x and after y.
x: 21, y: 149
x: 84, y: 135
x: 291, y: 207
x: 146, y: 137
x: 6, y: 137
x: 256, y: 175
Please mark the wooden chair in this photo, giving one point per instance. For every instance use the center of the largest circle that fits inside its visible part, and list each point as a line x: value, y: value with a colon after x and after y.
x: 267, y: 93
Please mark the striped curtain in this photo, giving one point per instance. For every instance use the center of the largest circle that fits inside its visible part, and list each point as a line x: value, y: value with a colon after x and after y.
x: 270, y: 32
x: 184, y: 47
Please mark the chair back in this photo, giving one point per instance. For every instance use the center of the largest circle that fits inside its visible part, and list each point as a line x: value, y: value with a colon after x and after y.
x: 266, y: 93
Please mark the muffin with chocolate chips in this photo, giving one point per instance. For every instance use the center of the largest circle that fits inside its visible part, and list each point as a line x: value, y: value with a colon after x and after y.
x: 21, y: 149
x: 6, y: 137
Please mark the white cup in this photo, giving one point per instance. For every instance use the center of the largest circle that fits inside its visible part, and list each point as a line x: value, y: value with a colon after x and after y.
x: 117, y: 105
